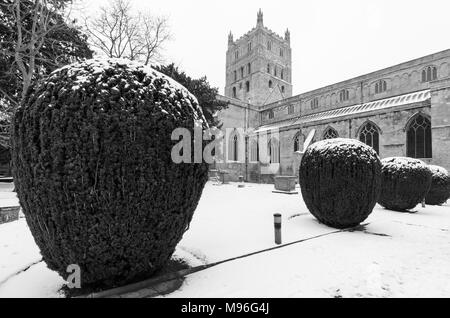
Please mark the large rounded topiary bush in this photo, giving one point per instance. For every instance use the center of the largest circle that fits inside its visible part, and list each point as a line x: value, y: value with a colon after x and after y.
x: 93, y: 170
x: 405, y: 183
x: 340, y: 181
x: 440, y: 186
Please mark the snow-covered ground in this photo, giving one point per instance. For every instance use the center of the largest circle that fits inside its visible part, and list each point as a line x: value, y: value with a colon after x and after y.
x: 395, y: 255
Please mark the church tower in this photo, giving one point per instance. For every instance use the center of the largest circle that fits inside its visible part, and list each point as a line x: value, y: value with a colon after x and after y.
x: 259, y: 66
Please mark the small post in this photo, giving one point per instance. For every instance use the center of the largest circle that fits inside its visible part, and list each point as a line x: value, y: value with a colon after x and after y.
x: 241, y: 182
x: 423, y: 204
x: 277, y: 226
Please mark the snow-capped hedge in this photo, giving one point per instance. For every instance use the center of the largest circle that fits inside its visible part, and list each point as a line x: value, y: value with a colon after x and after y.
x: 93, y: 170
x: 340, y: 181
x: 405, y: 183
x: 440, y: 186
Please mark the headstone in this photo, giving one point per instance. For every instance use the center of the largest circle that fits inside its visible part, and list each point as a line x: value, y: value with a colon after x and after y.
x: 285, y: 184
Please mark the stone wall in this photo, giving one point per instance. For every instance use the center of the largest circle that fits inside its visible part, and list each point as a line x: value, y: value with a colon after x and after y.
x: 400, y: 79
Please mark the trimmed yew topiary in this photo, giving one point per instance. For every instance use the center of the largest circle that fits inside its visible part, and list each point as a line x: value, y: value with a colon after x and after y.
x: 340, y: 180
x: 93, y: 170
x: 405, y: 183
x: 440, y: 186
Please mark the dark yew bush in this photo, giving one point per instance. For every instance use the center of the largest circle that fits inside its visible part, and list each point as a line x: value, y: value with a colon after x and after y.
x: 340, y: 180
x: 93, y: 170
x: 440, y: 186
x: 405, y: 183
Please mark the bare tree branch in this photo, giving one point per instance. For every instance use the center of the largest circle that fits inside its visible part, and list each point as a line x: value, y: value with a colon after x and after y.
x: 119, y: 33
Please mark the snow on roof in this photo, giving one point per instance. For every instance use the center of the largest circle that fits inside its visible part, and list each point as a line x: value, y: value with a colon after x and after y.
x: 335, y: 114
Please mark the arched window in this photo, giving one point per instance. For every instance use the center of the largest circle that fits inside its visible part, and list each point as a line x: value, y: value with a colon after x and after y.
x: 249, y: 68
x: 314, y: 103
x: 282, y: 74
x: 270, y: 84
x: 281, y: 52
x: 242, y: 72
x: 269, y: 45
x: 254, y: 151
x: 233, y: 151
x: 234, y: 92
x: 268, y: 68
x: 282, y: 89
x: 429, y: 74
x: 344, y: 95
x: 274, y: 150
x: 297, y: 139
x: 247, y: 86
x: 235, y: 76
x: 271, y: 114
x: 249, y: 47
x: 330, y: 133
x: 236, y: 55
x: 275, y: 71
x: 290, y: 109
x: 370, y: 135
x: 419, y: 142
x: 380, y: 87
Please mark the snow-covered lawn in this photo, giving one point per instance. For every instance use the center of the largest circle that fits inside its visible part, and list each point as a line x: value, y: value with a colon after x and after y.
x: 395, y: 255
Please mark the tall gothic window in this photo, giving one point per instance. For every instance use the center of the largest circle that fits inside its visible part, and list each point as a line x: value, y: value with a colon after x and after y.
x: 314, y: 103
x: 242, y: 72
x: 269, y: 45
x: 249, y: 47
x: 235, y: 76
x: 271, y: 114
x: 234, y: 92
x: 274, y: 150
x: 249, y: 68
x: 247, y: 86
x: 282, y: 74
x: 268, y: 68
x: 282, y: 89
x: 297, y: 142
x: 236, y: 55
x: 330, y: 133
x: 419, y: 142
x: 429, y: 74
x: 270, y: 84
x: 254, y: 151
x: 370, y: 135
x: 281, y: 52
x: 233, y: 151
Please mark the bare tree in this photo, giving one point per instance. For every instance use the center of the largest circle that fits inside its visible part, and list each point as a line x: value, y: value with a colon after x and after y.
x: 36, y: 39
x: 118, y: 32
x: 32, y: 22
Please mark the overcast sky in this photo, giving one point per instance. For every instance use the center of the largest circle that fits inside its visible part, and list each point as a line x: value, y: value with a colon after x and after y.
x: 331, y: 40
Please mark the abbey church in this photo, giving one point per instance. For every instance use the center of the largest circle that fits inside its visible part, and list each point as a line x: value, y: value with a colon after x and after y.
x: 403, y: 110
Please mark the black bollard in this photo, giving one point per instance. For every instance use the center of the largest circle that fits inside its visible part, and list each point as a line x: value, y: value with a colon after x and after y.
x: 277, y: 225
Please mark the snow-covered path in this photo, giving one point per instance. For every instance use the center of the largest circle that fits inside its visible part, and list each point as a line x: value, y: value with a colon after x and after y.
x: 395, y: 255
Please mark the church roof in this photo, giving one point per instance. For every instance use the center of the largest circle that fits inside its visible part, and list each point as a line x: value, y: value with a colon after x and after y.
x: 359, y: 109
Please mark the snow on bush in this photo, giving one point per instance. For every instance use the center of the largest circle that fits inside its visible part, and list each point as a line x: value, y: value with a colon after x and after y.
x: 440, y: 186
x: 93, y: 170
x: 405, y: 183
x: 340, y: 181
